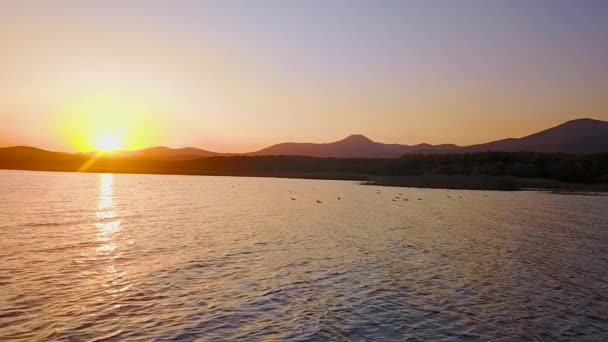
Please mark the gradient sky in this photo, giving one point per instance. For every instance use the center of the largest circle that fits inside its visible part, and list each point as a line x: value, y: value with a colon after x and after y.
x: 241, y: 75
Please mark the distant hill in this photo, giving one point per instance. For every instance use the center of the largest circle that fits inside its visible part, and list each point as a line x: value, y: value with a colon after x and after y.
x: 31, y: 158
x: 171, y: 153
x: 576, y: 136
x: 27, y: 153
x: 581, y: 136
x: 354, y: 146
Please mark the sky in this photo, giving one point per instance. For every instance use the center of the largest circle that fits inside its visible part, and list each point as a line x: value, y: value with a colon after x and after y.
x: 237, y: 76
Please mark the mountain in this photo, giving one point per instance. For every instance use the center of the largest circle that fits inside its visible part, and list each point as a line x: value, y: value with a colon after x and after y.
x: 579, y: 136
x: 170, y: 153
x: 354, y: 146
x: 31, y: 158
x: 576, y: 136
x: 27, y: 153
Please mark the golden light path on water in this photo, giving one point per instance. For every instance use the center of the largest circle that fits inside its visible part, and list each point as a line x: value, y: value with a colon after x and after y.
x: 108, y: 227
x: 108, y: 224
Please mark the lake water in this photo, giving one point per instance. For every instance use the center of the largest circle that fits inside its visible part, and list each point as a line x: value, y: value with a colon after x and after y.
x: 150, y: 257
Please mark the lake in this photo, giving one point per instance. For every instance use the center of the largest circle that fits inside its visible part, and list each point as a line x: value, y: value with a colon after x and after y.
x: 154, y: 257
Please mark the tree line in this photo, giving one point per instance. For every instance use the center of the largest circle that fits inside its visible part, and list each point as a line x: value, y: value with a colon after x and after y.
x: 561, y: 167
x: 590, y: 168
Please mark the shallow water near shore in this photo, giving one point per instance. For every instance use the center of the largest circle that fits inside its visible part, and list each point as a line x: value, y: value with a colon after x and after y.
x: 154, y: 257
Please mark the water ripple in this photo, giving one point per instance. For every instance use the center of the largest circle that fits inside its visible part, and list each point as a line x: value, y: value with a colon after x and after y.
x: 180, y: 258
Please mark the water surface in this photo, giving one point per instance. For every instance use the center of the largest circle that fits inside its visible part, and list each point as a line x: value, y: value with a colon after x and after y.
x: 150, y: 257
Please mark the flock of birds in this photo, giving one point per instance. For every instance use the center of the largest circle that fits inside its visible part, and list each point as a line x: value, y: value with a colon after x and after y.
x: 378, y: 192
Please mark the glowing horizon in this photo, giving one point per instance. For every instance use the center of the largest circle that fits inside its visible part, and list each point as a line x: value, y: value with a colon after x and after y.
x: 106, y: 123
x: 240, y: 76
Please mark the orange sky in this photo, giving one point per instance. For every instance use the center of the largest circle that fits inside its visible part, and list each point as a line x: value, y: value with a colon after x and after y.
x: 240, y: 76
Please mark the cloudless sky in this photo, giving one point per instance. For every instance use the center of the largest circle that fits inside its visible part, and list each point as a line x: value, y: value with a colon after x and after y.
x: 240, y: 75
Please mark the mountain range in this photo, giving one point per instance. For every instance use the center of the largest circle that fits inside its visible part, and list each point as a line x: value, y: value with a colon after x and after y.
x: 576, y: 137
x: 581, y: 136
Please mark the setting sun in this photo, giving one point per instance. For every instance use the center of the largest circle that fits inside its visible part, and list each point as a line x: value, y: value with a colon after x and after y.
x: 106, y: 123
x: 108, y: 142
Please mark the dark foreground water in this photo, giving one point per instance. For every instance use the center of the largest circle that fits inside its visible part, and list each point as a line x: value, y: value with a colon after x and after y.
x: 145, y: 257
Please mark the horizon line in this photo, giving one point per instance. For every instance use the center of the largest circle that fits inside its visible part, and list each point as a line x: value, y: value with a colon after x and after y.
x: 299, y: 142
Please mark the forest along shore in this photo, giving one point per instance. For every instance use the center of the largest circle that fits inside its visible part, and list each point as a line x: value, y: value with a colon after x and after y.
x: 489, y: 183
x: 482, y: 170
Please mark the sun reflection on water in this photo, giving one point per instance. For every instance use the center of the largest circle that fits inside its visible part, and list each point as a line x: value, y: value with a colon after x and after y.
x: 107, y: 222
x: 109, y: 228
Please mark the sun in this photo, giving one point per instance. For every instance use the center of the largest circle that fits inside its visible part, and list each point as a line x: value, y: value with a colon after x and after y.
x: 105, y: 122
x: 108, y: 142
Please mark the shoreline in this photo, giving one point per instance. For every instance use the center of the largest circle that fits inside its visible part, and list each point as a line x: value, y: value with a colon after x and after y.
x: 480, y: 183
x: 488, y: 183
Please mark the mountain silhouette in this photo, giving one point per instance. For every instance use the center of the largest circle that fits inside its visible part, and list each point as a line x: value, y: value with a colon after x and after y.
x: 355, y: 145
x: 171, y: 153
x: 576, y: 136
x: 581, y: 136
